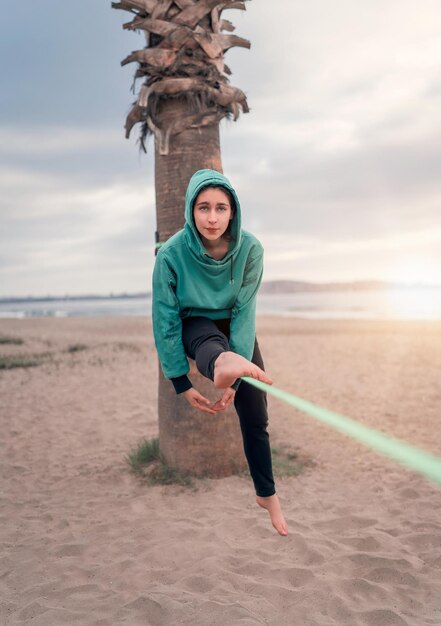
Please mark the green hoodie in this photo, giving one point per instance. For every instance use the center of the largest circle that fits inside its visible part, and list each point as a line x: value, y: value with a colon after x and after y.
x: 187, y: 282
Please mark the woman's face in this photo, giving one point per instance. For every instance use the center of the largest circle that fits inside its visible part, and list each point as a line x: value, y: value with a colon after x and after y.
x: 212, y: 213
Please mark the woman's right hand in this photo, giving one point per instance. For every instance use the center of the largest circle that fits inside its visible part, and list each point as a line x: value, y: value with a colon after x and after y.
x: 197, y: 400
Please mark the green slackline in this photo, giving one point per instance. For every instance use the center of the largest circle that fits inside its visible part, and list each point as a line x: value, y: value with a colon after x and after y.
x: 423, y: 462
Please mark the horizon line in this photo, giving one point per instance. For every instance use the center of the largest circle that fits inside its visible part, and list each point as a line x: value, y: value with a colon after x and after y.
x: 133, y: 294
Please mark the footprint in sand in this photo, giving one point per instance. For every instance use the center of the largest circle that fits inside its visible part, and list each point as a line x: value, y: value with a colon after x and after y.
x: 382, y: 616
x: 69, y: 549
x: 391, y: 576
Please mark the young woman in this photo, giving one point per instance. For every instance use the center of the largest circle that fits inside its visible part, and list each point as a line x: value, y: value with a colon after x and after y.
x: 205, y: 282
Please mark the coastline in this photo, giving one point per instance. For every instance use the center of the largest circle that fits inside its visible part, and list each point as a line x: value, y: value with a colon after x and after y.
x: 410, y: 303
x: 82, y: 540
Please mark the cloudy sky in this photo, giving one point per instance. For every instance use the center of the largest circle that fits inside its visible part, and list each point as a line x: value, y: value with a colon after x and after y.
x: 338, y: 164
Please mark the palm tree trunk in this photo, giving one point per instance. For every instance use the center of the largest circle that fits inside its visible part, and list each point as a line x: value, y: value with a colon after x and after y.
x: 192, y: 149
x: 190, y: 440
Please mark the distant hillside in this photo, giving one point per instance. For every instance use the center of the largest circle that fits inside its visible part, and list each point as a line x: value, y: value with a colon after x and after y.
x: 297, y: 286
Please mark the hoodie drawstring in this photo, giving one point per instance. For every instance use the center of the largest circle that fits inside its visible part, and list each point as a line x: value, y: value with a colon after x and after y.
x: 231, y: 271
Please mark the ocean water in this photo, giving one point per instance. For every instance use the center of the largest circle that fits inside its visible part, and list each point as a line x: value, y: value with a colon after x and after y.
x: 404, y: 303
x: 394, y: 304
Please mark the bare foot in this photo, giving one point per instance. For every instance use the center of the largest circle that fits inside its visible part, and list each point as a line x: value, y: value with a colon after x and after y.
x: 229, y: 366
x: 272, y: 505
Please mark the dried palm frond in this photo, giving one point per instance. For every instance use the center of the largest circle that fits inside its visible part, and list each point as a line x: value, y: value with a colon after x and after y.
x: 184, y: 58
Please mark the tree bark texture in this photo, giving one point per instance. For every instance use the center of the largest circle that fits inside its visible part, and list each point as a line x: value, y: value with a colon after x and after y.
x: 192, y: 149
x: 196, y: 442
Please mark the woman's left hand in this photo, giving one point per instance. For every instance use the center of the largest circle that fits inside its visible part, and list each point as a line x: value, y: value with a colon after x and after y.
x: 225, y: 401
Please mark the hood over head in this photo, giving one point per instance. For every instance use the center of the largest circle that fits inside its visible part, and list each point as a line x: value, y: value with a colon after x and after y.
x: 200, y: 180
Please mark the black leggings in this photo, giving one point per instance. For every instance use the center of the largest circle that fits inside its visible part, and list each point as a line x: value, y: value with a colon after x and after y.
x: 204, y: 339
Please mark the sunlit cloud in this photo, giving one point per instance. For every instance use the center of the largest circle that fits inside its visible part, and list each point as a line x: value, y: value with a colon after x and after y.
x: 411, y: 257
x: 311, y: 247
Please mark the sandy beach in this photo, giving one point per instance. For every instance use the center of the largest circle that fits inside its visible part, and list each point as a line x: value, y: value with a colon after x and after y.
x: 83, y: 541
